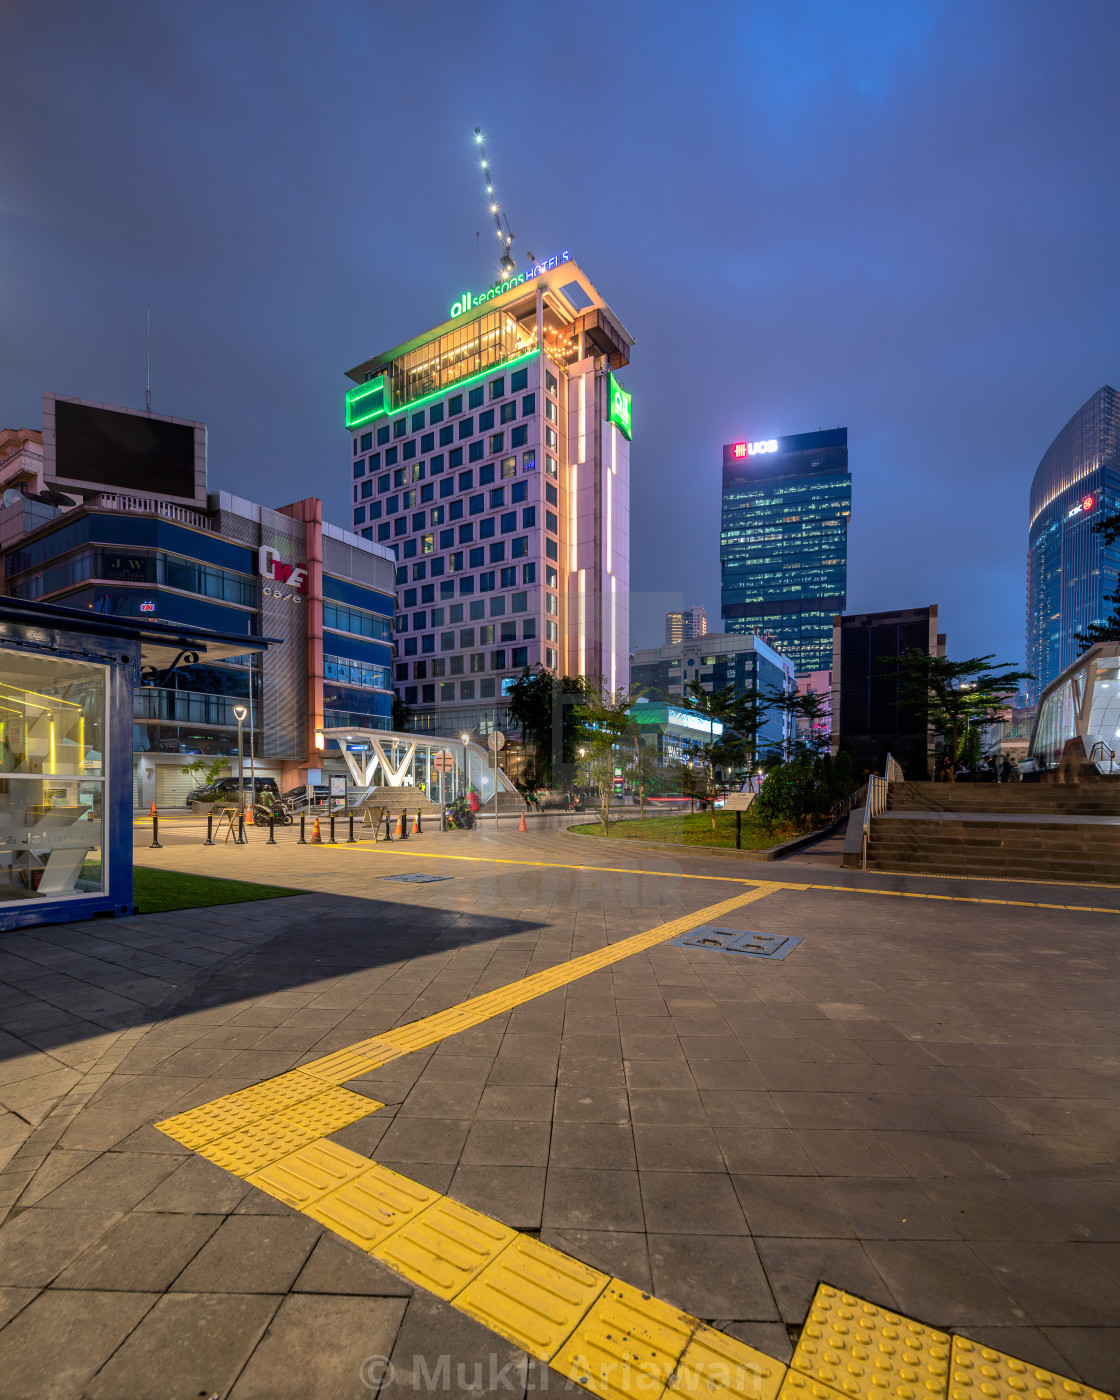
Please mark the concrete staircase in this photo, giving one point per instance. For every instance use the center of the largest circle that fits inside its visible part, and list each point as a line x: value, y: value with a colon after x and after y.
x: 1040, y: 831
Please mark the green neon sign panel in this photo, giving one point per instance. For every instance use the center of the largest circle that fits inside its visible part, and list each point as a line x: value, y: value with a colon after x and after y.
x: 363, y: 404
x: 618, y: 406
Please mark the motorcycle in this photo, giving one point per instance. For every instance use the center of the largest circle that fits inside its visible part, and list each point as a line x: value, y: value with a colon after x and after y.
x: 459, y: 815
x: 262, y: 813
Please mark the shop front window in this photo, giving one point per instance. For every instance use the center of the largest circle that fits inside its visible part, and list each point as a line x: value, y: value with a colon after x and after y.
x: 53, y: 730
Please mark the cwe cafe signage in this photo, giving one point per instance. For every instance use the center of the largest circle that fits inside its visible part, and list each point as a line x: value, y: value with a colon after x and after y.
x: 468, y: 300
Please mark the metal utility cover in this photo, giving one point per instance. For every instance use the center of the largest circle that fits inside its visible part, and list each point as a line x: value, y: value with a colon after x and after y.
x: 734, y: 940
x: 417, y: 877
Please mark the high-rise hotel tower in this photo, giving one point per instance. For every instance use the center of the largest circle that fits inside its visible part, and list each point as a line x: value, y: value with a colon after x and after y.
x: 492, y: 454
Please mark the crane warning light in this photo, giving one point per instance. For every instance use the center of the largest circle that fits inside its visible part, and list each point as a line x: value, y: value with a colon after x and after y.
x: 739, y: 450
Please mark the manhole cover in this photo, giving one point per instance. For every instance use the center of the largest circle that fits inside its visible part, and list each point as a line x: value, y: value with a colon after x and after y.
x: 417, y: 877
x: 734, y: 940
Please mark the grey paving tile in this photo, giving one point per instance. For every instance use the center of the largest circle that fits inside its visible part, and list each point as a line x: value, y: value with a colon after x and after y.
x: 210, y: 1337
x: 513, y: 1195
x: 677, y: 1147
x: 734, y: 1108
x: 659, y: 1074
x: 12, y: 1301
x: 425, y: 1139
x: 1080, y: 1210
x: 795, y: 1267
x: 1092, y: 1354
x: 687, y: 1203
x: 496, y: 1142
x: 581, y: 1199
x: 251, y: 1253
x: 946, y: 1283
x: 337, y: 1267
x: 619, y: 1253
x: 842, y: 1152
x: 666, y: 1106
x: 431, y: 1330
x: 429, y: 1099
x: 196, y: 1186
x: 711, y: 1276
x: 724, y: 1074
x: 516, y: 1068
x: 1056, y: 1284
x: 883, y: 1209
x: 141, y: 1253
x: 36, y: 1245
x: 791, y: 1206
x: 651, y: 1047
x: 591, y: 1105
x: 53, y: 1347
x: 522, y: 1102
x: 113, y: 1180
x: 764, y: 1151
x: 989, y: 1210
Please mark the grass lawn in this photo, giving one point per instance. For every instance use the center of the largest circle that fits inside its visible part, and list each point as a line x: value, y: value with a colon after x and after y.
x: 693, y: 829
x: 157, y: 891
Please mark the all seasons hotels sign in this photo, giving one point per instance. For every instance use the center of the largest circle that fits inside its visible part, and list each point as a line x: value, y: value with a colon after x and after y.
x: 468, y: 301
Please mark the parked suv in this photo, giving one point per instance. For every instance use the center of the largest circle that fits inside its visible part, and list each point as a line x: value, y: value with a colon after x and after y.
x: 297, y: 796
x: 225, y: 789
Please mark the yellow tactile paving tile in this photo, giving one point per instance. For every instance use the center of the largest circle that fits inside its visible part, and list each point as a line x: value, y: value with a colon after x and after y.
x: 310, y: 1172
x: 368, y: 1209
x: 717, y: 1367
x: 350, y: 1062
x: 269, y: 1139
x: 212, y: 1120
x: 979, y: 1373
x: 797, y: 1386
x: 627, y: 1345
x: 444, y: 1247
x: 532, y: 1295
x: 864, y: 1351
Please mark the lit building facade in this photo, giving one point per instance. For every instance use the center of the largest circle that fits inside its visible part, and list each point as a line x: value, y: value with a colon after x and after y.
x: 784, y: 541
x: 683, y: 626
x: 206, y: 561
x: 491, y: 455
x: 1071, y: 573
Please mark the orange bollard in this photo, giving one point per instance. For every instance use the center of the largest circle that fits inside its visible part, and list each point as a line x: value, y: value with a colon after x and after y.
x: 416, y: 824
x: 153, y: 811
x: 523, y: 827
x: 316, y: 837
x: 399, y: 833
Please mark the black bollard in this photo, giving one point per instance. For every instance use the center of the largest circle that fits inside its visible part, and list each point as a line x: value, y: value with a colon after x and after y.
x: 350, y: 838
x: 332, y: 841
x: 271, y: 833
x: 155, y: 846
x: 241, y: 830
x: 302, y: 830
x: 404, y: 823
x: 209, y: 829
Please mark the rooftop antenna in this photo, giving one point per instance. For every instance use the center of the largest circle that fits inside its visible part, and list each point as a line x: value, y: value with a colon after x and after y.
x: 507, y: 263
x: 148, y: 390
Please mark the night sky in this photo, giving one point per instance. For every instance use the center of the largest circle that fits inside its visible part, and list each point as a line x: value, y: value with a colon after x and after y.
x: 898, y: 217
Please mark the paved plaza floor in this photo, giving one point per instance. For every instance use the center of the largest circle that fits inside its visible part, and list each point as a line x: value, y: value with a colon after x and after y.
x: 664, y: 1151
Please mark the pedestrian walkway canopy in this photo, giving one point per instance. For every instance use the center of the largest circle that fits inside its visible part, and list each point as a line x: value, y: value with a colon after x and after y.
x: 443, y: 769
x: 1082, y: 704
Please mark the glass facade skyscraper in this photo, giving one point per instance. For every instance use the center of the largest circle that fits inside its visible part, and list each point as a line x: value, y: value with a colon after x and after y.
x: 784, y: 542
x: 1071, y: 574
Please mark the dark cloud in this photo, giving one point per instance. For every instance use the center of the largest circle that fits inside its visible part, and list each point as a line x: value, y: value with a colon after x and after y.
x: 901, y: 218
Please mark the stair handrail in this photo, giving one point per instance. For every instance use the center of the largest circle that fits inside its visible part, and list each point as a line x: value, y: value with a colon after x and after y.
x: 892, y: 770
x: 1105, y: 753
x: 878, y: 795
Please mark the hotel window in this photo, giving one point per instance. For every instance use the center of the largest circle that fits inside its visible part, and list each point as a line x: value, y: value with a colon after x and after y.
x: 427, y: 493
x: 519, y: 548
x: 383, y: 531
x: 486, y: 421
x: 551, y: 495
x: 518, y: 380
x: 477, y: 558
x: 508, y: 412
x: 478, y: 610
x: 400, y: 525
x: 497, y: 551
x: 466, y: 534
x: 455, y: 458
x: 550, y: 381
x: 486, y: 474
x: 428, y: 595
x: 529, y: 628
x: 375, y: 510
x: 419, y: 669
x: 428, y: 643
x: 455, y: 510
x: 550, y: 548
x: 427, y: 544
x: 367, y: 489
x: 435, y: 466
x: 466, y: 638
x: 400, y: 427
x: 466, y: 481
x: 374, y: 462
x: 409, y: 499
x: 528, y: 405
x: 360, y: 515
x: 383, y: 435
x: 447, y: 589
x: 435, y: 515
x: 446, y: 436
x: 439, y: 666
x: 550, y: 438
x: 408, y: 451
x: 529, y: 460
x: 497, y: 661
x: 529, y: 573
x: 466, y: 428
x: 550, y: 521
x: 508, y: 522
x: 410, y: 646
x: 550, y: 658
x: 486, y: 527
x: 466, y: 585
x: 419, y: 572
x: 417, y: 519
x: 428, y: 694
x: 487, y: 689
x: 551, y: 631
x: 418, y: 421
x: 497, y: 607
x: 455, y: 562
x: 519, y: 602
x: 382, y: 484
x: 551, y: 412
x: 455, y: 666
x: 447, y: 690
x: 359, y: 467
x: 519, y: 437
x: 519, y: 657
x: 402, y: 671
x: 447, y: 641
x: 398, y: 478
x: 410, y: 549
x: 508, y: 629
x: 447, y: 487
x: 475, y: 452
x: 518, y: 492
x: 367, y: 442
x: 551, y: 604
x: 478, y: 661
x: 454, y: 405
x: 550, y: 465
x: 446, y: 539
x: 390, y: 456
x: 466, y: 690
x: 436, y: 568
x: 477, y: 504
x: 550, y: 577
x: 427, y: 442
x: 486, y: 635
x: 509, y: 467
x: 437, y: 617
x: 497, y: 443
x: 497, y: 388
x: 435, y: 414
x: 476, y: 396
x: 486, y: 582
x: 417, y: 471
x: 528, y: 517
x: 367, y: 534
x: 509, y: 577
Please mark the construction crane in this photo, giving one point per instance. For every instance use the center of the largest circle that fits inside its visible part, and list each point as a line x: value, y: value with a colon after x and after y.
x: 508, y: 266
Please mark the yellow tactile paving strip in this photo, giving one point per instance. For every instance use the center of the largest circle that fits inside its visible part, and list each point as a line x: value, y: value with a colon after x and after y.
x: 601, y: 1333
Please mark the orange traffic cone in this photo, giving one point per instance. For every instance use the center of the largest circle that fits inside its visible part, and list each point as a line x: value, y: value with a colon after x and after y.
x: 316, y: 837
x: 416, y: 824
x: 153, y: 811
x: 523, y: 827
x: 400, y: 826
x: 249, y: 815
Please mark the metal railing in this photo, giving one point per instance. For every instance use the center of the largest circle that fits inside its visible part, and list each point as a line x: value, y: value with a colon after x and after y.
x: 878, y: 793
x: 1100, y: 754
x: 892, y: 770
x: 148, y: 505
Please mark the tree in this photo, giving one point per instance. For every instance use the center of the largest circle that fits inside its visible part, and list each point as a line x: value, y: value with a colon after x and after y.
x: 533, y: 699
x: 810, y: 708
x: 206, y: 770
x: 642, y: 769
x: 605, y: 715
x: 951, y: 694
x: 402, y: 714
x: 717, y: 707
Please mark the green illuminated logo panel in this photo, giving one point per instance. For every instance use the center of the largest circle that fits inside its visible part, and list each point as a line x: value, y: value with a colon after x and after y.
x: 618, y: 406
x: 367, y: 401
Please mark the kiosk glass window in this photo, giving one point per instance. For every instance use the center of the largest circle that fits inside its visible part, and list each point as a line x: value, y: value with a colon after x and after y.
x: 53, y: 732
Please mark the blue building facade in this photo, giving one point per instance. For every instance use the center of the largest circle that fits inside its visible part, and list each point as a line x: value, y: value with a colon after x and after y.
x: 784, y: 542
x: 1071, y: 573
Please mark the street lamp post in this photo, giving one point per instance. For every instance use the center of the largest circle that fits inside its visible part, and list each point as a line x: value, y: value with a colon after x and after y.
x: 466, y: 738
x: 239, y: 713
